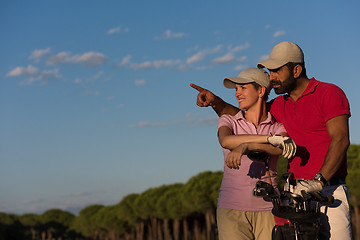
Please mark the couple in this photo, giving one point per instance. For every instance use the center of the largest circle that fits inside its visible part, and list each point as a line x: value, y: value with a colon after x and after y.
x: 313, y: 113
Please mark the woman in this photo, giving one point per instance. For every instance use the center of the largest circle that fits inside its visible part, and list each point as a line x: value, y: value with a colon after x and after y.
x: 240, y: 215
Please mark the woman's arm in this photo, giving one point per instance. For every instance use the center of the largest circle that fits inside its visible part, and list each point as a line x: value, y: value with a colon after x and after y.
x: 229, y: 141
x: 233, y: 159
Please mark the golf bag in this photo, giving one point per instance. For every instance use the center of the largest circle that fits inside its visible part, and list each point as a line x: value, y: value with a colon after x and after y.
x: 299, y: 225
x: 299, y: 213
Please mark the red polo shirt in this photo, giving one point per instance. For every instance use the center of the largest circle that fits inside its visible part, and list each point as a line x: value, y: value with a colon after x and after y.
x: 305, y: 122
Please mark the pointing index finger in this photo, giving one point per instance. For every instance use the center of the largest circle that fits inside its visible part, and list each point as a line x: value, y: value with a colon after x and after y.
x: 200, y: 89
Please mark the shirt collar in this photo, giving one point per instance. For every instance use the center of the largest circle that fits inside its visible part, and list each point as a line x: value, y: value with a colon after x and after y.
x: 309, y: 89
x: 240, y: 116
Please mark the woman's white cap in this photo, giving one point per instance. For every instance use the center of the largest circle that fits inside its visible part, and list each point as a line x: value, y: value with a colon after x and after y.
x: 249, y: 75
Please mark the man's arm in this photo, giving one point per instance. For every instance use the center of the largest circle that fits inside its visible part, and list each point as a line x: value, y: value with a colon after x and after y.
x: 230, y: 141
x: 206, y: 98
x: 338, y: 129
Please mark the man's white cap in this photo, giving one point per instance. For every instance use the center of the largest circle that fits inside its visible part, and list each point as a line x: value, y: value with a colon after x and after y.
x: 249, y: 75
x: 282, y: 54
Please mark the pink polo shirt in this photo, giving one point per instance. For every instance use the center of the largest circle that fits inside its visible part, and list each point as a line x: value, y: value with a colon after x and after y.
x: 305, y: 122
x: 236, y: 191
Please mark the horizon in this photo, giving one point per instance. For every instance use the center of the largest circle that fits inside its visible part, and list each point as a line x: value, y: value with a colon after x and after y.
x: 96, y: 100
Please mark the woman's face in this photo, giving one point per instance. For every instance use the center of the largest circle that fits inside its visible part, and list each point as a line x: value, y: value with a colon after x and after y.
x: 247, y: 95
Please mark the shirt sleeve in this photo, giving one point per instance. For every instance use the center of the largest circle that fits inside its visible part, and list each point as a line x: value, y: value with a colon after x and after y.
x: 335, y: 103
x: 279, y: 128
x: 225, y: 120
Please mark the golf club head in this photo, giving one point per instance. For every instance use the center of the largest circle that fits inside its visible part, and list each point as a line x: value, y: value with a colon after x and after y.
x: 289, y: 195
x: 259, y: 192
x: 262, y: 184
x: 306, y: 195
x: 325, y: 200
x: 259, y: 156
x: 264, y: 189
x: 288, y: 177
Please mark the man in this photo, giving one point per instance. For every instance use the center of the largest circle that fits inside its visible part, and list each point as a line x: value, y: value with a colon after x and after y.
x: 315, y: 115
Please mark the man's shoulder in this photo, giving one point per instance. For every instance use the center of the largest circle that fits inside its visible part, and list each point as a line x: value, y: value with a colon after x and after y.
x: 277, y: 100
x: 326, y: 86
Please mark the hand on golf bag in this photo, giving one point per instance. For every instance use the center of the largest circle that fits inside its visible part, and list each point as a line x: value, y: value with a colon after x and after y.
x: 308, y: 186
x: 285, y: 143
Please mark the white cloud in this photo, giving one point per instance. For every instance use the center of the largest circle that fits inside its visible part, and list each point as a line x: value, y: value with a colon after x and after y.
x: 156, y: 64
x: 240, y: 67
x: 196, y: 58
x: 95, y: 77
x: 21, y: 71
x: 201, y: 54
x: 42, y: 76
x: 193, y: 49
x: 87, y: 91
x: 144, y: 65
x: 61, y: 57
x: 46, y: 74
x: 117, y: 30
x: 77, y: 81
x: 264, y: 57
x: 140, y: 82
x: 239, y: 48
x: 228, y: 58
x: 169, y: 34
x: 39, y: 53
x: 125, y: 61
x: 278, y: 34
x: 267, y: 26
x: 89, y: 58
x: 162, y: 63
x: 183, y: 67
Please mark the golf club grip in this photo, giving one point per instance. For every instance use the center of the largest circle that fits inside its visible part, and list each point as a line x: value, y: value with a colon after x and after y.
x: 325, y: 200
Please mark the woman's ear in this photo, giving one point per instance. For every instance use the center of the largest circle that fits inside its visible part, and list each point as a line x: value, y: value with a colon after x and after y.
x: 262, y: 91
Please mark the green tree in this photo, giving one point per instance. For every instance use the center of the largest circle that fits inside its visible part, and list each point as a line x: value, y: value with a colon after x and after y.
x: 85, y: 223
x: 107, y: 220
x: 56, y: 222
x: 352, y: 180
x: 145, y: 209
x: 31, y: 223
x: 164, y: 206
x: 126, y: 212
x: 198, y: 196
x: 10, y: 227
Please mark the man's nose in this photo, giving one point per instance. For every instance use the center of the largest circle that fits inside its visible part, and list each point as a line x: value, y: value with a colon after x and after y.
x: 272, y: 76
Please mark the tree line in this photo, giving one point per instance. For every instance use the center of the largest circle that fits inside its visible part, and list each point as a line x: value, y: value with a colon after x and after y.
x: 178, y: 211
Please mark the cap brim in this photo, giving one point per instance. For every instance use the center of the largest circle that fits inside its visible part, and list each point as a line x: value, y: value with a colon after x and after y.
x: 271, y: 64
x: 230, y: 82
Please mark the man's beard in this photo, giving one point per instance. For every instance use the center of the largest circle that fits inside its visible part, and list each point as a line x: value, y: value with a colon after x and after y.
x: 286, y: 86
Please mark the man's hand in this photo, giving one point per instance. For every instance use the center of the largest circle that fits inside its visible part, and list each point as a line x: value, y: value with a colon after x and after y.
x: 308, y: 186
x: 205, y: 98
x: 285, y: 143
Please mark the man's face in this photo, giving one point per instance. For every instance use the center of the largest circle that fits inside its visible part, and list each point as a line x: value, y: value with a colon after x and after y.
x: 282, y: 80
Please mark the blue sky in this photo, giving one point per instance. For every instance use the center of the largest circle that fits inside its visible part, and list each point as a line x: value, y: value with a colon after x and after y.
x: 95, y: 100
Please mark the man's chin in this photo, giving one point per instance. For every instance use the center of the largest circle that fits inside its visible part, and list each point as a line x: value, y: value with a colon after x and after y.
x: 279, y: 91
